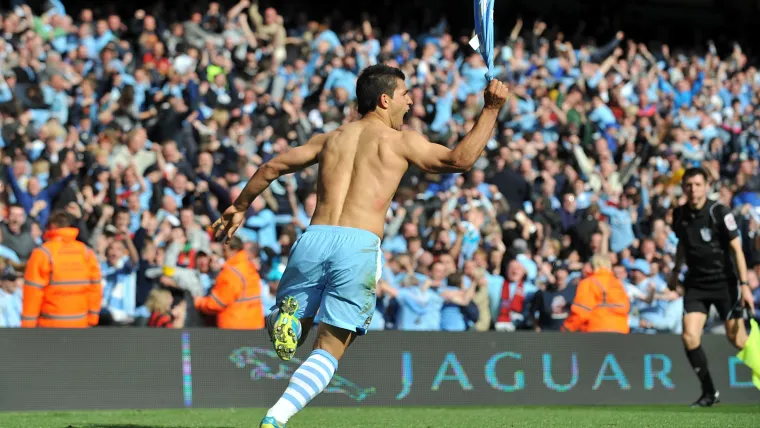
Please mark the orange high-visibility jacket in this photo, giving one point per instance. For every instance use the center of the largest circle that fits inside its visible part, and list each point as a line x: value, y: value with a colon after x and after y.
x: 62, y: 285
x: 236, y: 296
x: 601, y: 305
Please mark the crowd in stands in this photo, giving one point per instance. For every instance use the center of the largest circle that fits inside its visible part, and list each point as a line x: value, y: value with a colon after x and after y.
x: 144, y: 131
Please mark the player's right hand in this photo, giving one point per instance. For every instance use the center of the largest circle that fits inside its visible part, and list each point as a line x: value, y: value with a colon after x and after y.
x: 495, y: 95
x: 228, y: 224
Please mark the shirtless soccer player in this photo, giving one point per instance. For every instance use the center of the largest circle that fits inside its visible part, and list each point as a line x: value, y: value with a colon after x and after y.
x: 334, y: 266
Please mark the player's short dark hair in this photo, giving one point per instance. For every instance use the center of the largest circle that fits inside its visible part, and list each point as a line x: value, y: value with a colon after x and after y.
x: 373, y: 82
x: 693, y: 172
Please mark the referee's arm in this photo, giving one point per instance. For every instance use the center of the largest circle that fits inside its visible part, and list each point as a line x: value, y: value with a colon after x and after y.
x: 741, y: 266
x: 741, y: 262
x: 729, y: 224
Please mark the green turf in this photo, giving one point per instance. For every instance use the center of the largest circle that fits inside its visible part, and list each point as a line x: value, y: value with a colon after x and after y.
x: 723, y: 416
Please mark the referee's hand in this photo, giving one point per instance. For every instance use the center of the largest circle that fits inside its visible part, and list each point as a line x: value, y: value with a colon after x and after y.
x: 673, y: 282
x: 748, y: 300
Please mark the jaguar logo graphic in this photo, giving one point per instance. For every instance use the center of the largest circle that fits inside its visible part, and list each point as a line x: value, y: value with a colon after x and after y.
x: 264, y: 364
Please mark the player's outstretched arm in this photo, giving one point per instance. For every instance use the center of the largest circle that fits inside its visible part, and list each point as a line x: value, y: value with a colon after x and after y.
x: 435, y: 158
x: 291, y: 161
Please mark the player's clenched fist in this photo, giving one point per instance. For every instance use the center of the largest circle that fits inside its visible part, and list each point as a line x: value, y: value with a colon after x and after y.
x: 496, y: 94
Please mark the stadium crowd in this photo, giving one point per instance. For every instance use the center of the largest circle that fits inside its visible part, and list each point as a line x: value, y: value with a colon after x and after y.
x: 144, y: 131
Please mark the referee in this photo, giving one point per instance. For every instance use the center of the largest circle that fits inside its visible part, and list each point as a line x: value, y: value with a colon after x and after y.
x: 708, y: 241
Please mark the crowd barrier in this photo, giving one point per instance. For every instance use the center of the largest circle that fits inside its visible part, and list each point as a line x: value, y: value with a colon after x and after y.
x: 152, y: 368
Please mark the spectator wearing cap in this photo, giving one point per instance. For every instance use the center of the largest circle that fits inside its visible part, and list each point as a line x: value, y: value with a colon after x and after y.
x: 11, y: 296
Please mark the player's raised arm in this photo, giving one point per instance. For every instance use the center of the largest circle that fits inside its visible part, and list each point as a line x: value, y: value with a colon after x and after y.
x: 291, y: 161
x: 436, y: 158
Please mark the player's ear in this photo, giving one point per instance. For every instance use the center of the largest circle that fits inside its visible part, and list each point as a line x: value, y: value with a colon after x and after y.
x: 384, y: 102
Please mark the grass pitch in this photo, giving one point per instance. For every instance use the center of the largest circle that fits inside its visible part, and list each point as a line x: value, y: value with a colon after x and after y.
x: 723, y: 416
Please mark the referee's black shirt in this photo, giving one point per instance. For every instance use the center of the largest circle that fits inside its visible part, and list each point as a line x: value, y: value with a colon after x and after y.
x: 705, y: 235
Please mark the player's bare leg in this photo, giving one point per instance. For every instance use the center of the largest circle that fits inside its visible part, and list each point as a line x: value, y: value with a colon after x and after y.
x: 693, y: 325
x: 313, y: 376
x: 334, y: 340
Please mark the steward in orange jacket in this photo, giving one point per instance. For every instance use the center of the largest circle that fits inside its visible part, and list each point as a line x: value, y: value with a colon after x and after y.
x: 601, y: 303
x: 236, y: 296
x: 62, y: 287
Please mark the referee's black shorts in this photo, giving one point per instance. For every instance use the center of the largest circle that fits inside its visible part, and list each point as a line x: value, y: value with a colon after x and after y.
x: 726, y: 299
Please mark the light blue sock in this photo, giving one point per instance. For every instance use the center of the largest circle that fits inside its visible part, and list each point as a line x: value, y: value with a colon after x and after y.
x: 306, y: 383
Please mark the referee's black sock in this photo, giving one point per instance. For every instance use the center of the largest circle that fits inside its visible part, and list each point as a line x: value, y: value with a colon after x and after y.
x: 698, y: 361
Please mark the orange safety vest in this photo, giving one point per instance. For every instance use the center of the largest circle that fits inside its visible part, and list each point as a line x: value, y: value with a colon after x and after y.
x: 62, y: 287
x: 236, y: 296
x: 601, y: 305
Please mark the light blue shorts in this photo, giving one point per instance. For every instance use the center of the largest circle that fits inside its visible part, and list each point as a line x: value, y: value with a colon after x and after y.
x: 334, y: 270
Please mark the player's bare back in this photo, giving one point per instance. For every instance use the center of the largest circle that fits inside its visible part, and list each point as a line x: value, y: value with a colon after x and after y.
x: 360, y: 167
